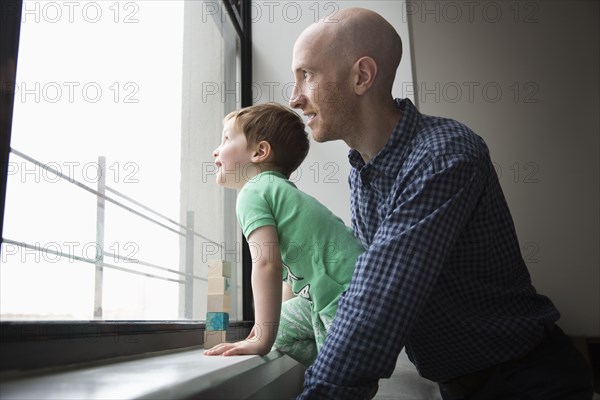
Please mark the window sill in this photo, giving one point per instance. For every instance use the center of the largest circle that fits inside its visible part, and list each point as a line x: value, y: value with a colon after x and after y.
x: 176, y: 375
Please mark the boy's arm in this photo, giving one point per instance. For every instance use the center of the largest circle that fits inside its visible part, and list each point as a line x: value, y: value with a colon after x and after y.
x: 266, y: 285
x: 286, y: 292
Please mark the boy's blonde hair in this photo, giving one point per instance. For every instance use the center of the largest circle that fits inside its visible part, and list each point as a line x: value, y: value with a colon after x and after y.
x: 278, y: 125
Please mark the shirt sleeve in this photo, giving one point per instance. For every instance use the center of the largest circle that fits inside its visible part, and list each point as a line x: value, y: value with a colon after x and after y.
x: 253, y: 211
x: 394, y: 277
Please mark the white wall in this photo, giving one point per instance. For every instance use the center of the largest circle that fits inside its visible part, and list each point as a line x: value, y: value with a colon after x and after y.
x: 202, y: 112
x: 542, y: 128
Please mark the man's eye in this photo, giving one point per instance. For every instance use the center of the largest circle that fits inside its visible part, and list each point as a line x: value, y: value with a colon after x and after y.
x: 305, y: 74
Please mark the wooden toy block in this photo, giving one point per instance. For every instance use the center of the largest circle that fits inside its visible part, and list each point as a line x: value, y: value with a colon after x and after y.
x: 217, y: 321
x: 219, y: 285
x: 213, y: 338
x: 219, y: 302
x: 219, y: 268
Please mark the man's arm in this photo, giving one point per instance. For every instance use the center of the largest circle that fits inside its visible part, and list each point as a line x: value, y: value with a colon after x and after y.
x: 393, y: 279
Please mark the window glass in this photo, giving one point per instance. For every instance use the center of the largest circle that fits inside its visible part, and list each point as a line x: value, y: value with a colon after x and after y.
x: 112, y: 211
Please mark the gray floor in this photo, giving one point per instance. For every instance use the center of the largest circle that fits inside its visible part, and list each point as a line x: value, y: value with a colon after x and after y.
x: 407, y: 384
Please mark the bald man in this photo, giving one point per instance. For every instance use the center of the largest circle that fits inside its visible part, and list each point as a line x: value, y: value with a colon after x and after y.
x: 442, y: 274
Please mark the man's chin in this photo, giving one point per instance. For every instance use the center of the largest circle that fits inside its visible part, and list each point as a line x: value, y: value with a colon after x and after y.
x: 319, y: 137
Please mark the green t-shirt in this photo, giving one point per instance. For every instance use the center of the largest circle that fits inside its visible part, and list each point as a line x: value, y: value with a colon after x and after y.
x: 317, y: 249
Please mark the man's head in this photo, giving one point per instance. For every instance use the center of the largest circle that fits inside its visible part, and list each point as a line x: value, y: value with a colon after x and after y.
x: 343, y: 66
x: 273, y: 138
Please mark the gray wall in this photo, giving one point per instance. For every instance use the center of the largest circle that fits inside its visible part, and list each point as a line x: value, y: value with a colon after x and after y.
x: 525, y: 78
x: 534, y: 74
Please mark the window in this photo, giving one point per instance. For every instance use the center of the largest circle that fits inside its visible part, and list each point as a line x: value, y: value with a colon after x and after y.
x: 111, y: 209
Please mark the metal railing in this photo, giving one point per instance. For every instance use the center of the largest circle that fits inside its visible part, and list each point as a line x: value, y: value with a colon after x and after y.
x: 186, y: 278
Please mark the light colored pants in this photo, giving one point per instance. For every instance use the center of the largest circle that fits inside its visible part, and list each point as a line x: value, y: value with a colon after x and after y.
x: 301, y: 332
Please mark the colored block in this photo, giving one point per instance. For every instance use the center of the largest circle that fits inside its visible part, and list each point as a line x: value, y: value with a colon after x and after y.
x: 219, y: 268
x: 219, y: 285
x: 213, y: 338
x: 217, y: 321
x: 219, y: 302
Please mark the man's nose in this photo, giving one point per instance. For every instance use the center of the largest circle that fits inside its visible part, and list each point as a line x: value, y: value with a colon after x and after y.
x: 216, y: 151
x: 297, y: 99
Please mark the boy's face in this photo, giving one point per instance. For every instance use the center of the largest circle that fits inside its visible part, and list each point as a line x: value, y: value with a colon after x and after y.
x: 233, y: 158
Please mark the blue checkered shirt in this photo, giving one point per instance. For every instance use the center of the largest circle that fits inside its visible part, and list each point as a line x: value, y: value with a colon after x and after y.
x: 443, y: 273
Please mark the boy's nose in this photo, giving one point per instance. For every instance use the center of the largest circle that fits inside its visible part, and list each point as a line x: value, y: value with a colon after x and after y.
x: 216, y: 152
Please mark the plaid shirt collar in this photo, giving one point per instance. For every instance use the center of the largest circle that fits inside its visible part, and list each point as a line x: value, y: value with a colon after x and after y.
x: 390, y: 158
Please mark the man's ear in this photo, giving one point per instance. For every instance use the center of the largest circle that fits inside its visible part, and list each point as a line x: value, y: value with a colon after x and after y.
x: 365, y: 71
x: 262, y: 151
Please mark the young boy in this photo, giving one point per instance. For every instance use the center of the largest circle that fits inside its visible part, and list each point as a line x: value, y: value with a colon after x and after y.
x: 290, y: 234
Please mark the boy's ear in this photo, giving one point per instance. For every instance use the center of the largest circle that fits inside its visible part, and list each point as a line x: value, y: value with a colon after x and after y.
x: 262, y: 152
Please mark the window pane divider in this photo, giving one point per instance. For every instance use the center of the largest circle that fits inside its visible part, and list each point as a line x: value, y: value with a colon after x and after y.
x: 108, y: 265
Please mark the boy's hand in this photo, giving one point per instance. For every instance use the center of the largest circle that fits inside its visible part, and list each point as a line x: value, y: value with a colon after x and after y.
x: 252, y: 345
x: 237, y: 349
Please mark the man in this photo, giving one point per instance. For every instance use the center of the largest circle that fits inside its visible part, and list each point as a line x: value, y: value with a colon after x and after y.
x: 443, y: 273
